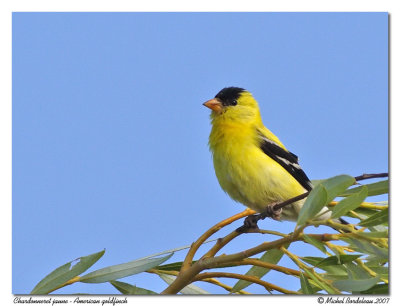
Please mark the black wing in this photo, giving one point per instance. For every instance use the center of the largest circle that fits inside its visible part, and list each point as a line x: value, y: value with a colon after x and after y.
x: 286, y: 159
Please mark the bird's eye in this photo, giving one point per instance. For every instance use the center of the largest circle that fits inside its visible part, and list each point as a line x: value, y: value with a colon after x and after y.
x: 234, y: 102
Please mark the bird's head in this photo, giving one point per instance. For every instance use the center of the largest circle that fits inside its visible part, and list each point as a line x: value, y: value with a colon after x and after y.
x: 235, y: 104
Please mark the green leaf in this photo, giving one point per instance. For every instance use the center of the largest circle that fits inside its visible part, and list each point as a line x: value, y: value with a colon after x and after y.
x: 175, y: 250
x: 189, y: 289
x: 365, y: 212
x: 380, y: 270
x: 305, y: 285
x: 175, y: 266
x: 336, y: 269
x: 272, y: 256
x: 333, y: 276
x: 336, y: 185
x: 317, y: 182
x: 325, y: 286
x: 128, y: 289
x: 316, y: 200
x: 378, y: 218
x: 367, y: 247
x: 383, y: 234
x: 315, y: 242
x: 376, y: 259
x: 122, y: 270
x: 335, y: 260
x: 377, y: 289
x: 355, y: 285
x: 355, y: 271
x: 65, y: 272
x: 376, y: 188
x: 312, y: 260
x: 349, y: 203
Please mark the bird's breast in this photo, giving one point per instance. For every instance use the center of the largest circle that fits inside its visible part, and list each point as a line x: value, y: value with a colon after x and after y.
x: 246, y: 173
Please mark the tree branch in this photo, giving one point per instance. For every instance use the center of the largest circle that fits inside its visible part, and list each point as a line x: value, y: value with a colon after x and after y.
x: 253, y: 279
x: 263, y: 264
x: 186, y: 276
x: 195, y: 246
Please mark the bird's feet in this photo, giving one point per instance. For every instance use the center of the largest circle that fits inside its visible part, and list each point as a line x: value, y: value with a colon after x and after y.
x: 251, y: 221
x: 271, y: 212
x: 249, y: 224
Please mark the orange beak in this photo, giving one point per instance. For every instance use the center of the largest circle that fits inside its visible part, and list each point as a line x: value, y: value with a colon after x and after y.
x: 214, y: 105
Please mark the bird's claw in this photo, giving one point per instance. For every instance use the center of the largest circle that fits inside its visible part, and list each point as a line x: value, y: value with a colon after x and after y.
x: 274, y: 214
x: 251, y: 221
x: 249, y: 224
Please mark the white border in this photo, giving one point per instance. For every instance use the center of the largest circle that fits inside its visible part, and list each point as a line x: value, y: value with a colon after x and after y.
x: 6, y: 9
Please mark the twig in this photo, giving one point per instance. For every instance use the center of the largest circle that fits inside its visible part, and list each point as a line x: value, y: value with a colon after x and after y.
x: 369, y: 176
x: 264, y: 264
x: 195, y: 246
x: 253, y: 279
x: 222, y: 285
x: 326, y: 285
x: 221, y: 242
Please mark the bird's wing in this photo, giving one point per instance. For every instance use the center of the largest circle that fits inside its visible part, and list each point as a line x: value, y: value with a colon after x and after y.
x: 286, y: 159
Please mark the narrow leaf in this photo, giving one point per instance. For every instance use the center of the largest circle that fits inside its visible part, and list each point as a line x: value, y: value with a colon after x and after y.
x: 376, y: 219
x: 337, y: 185
x: 380, y: 270
x: 355, y: 285
x: 175, y: 266
x: 64, y: 273
x: 316, y: 200
x: 305, y: 285
x: 376, y: 188
x: 122, y: 270
x: 377, y: 289
x: 128, y: 289
x: 315, y: 242
x: 312, y: 260
x: 335, y: 260
x: 367, y: 247
x: 335, y: 269
x: 383, y: 234
x: 355, y: 271
x: 317, y: 182
x: 272, y: 256
x: 325, y: 286
x: 174, y: 250
x: 365, y: 212
x: 189, y: 289
x: 350, y: 203
x: 333, y: 276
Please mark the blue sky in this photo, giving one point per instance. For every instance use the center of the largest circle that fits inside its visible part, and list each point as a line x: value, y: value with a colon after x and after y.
x: 110, y: 135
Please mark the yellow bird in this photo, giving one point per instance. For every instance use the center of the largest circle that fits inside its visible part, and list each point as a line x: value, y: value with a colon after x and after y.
x: 251, y: 163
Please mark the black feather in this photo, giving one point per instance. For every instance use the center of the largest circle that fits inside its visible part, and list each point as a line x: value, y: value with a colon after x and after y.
x: 229, y: 95
x: 286, y: 159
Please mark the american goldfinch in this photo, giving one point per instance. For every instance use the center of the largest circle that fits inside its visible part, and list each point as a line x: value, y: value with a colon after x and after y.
x: 251, y: 163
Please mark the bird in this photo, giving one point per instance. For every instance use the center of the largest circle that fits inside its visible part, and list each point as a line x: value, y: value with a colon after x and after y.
x: 251, y: 164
